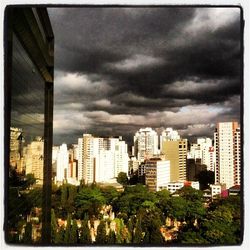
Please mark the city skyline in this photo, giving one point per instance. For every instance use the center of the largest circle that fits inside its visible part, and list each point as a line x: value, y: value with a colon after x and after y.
x: 119, y: 69
x: 96, y: 192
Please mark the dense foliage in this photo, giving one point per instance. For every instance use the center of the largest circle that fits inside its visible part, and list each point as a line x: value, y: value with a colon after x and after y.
x: 139, y: 216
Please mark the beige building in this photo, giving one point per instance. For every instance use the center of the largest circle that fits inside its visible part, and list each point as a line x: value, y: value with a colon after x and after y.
x: 176, y: 152
x: 169, y: 135
x: 16, y: 141
x: 34, y: 159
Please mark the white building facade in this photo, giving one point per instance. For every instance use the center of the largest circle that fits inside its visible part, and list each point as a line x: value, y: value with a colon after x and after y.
x: 145, y: 144
x: 172, y: 187
x: 101, y: 159
x: 203, y: 150
x: 80, y: 159
x: 163, y: 174
x: 215, y: 190
x: 157, y: 173
x: 62, y: 163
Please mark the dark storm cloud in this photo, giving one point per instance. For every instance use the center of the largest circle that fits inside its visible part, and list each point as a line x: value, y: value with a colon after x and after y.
x: 118, y: 69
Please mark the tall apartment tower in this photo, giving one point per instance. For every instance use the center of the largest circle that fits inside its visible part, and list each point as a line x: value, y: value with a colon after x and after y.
x: 80, y: 159
x: 34, y: 159
x: 145, y: 143
x: 170, y: 135
x: 87, y: 147
x: 62, y: 163
x: 228, y: 153
x: 101, y: 159
x: 175, y: 150
x: 88, y: 158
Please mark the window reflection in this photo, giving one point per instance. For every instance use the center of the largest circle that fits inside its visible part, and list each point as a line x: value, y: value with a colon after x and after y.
x: 28, y: 97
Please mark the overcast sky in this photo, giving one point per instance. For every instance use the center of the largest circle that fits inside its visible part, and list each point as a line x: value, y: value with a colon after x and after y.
x: 120, y: 69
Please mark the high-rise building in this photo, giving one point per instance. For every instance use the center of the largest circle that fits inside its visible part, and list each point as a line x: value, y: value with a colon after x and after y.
x: 34, y: 159
x: 168, y: 135
x: 104, y: 165
x: 157, y: 173
x: 210, y: 159
x: 89, y: 147
x: 101, y: 159
x: 237, y: 156
x: 80, y: 159
x: 228, y: 153
x: 62, y: 164
x: 195, y: 151
x: 204, y: 151
x: 120, y: 151
x: 176, y: 152
x: 145, y: 144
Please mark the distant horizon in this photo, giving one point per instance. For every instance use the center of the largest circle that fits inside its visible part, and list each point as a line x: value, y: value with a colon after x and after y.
x: 191, y: 138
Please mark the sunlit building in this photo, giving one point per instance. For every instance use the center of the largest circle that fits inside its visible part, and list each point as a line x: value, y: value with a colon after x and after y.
x: 172, y: 187
x: 204, y: 151
x: 34, y: 159
x: 215, y: 190
x: 120, y: 151
x: 104, y: 165
x: 101, y: 159
x: 145, y: 144
x: 227, y: 142
x: 168, y: 135
x: 80, y: 159
x: 90, y: 149
x: 157, y: 173
x: 62, y: 165
x: 176, y: 152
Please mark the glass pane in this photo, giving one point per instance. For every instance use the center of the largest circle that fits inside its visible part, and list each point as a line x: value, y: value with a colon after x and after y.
x: 26, y: 148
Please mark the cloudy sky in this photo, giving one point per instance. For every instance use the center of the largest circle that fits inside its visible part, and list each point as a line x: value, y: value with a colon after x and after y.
x: 120, y: 69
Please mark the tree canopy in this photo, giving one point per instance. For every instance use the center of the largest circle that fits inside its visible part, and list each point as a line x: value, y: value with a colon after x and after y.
x: 89, y: 201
